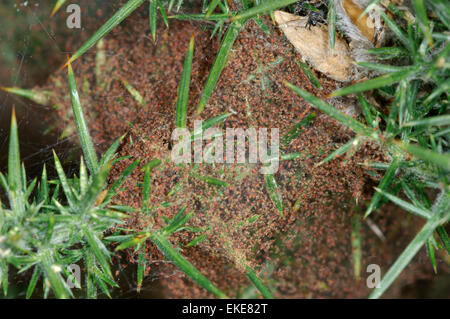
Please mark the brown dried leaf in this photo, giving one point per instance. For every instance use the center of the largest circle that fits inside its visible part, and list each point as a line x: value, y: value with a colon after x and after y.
x: 314, y: 46
x: 365, y: 24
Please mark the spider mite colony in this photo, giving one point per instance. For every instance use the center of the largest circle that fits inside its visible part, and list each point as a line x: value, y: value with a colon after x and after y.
x: 348, y: 100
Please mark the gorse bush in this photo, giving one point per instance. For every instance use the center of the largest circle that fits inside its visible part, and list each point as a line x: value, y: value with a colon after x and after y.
x: 412, y: 130
x: 50, y: 224
x: 64, y: 221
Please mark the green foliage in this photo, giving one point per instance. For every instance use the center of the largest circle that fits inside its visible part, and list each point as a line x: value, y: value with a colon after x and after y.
x: 258, y: 283
x: 237, y: 21
x: 309, y: 74
x: 152, y: 13
x: 274, y: 192
x: 356, y: 246
x: 414, y: 134
x: 160, y: 237
x: 332, y: 23
x: 39, y: 97
x: 49, y: 233
x: 134, y: 93
x: 183, y: 89
x: 262, y: 8
x: 48, y: 225
x: 295, y: 132
x: 118, y: 17
x: 83, y: 132
x: 172, y: 254
x: 440, y: 215
x: 219, y: 63
x: 44, y: 231
x: 58, y: 5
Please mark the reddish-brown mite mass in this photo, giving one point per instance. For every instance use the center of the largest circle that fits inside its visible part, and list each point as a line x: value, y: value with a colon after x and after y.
x: 304, y: 253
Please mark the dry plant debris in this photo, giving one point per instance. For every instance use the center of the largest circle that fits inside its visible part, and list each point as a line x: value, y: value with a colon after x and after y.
x: 314, y: 46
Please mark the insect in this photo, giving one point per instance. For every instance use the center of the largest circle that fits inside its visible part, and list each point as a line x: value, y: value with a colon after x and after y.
x: 315, y: 10
x: 358, y: 32
x: 313, y: 44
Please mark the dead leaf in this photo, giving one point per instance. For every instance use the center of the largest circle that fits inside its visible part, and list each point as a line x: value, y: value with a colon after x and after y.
x: 365, y: 24
x: 314, y: 46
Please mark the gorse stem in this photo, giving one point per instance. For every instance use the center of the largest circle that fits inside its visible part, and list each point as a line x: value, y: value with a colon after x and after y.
x: 83, y: 132
x: 164, y: 245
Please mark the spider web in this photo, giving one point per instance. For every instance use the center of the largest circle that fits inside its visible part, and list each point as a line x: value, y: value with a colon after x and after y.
x: 32, y: 46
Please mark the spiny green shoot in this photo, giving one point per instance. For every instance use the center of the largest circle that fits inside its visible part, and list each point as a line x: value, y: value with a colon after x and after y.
x: 414, y: 135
